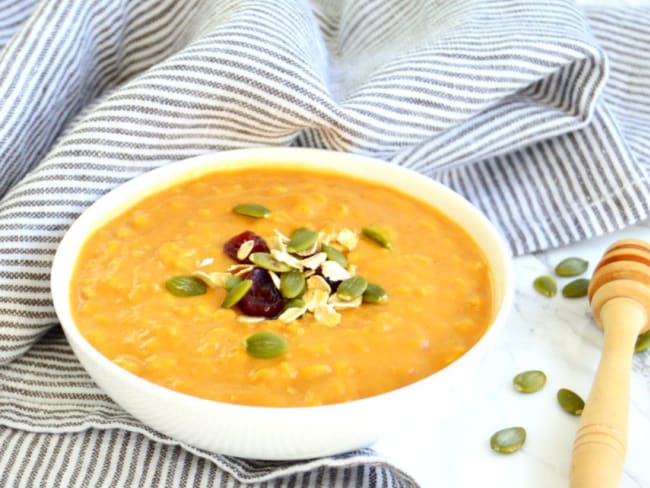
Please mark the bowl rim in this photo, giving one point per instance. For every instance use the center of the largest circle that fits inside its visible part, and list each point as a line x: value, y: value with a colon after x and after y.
x: 129, y: 193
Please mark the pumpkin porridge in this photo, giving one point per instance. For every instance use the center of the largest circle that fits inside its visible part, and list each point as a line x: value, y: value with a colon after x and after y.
x: 281, y: 287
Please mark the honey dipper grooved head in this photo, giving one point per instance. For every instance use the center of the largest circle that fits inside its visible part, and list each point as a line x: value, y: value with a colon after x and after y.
x: 623, y: 271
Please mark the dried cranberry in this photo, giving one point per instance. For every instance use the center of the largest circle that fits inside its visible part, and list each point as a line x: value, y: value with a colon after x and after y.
x: 263, y: 299
x: 234, y: 243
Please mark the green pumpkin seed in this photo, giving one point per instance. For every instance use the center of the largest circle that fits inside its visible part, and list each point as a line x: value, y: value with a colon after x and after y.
x: 236, y: 293
x: 570, y: 401
x: 335, y: 255
x: 529, y: 381
x: 545, y: 285
x: 375, y: 294
x: 292, y: 284
x: 642, y: 342
x: 377, y: 235
x: 231, y: 282
x: 576, y: 289
x: 265, y: 345
x: 186, y: 286
x: 293, y: 303
x: 507, y: 441
x: 352, y: 288
x: 571, y: 267
x: 268, y: 262
x: 252, y: 210
x: 301, y: 240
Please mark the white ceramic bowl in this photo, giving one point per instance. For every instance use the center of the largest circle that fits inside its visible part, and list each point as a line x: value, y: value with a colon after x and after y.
x: 293, y: 432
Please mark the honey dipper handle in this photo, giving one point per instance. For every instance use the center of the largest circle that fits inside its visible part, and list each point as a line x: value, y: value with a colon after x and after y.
x: 601, y: 440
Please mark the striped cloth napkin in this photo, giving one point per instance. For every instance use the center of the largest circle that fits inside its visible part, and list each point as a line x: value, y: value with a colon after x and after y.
x: 534, y: 111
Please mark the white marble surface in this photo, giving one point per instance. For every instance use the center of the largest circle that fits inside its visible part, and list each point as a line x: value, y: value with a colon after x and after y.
x: 558, y: 336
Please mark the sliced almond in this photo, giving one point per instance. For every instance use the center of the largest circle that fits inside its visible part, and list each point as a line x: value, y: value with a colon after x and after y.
x: 313, y: 262
x: 216, y: 279
x: 274, y: 242
x: 334, y: 271
x: 275, y: 279
x: 205, y: 262
x: 291, y: 314
x: 238, y: 269
x: 286, y: 258
x: 245, y: 249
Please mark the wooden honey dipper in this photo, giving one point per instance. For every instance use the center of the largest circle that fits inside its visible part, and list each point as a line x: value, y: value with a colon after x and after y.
x: 619, y: 293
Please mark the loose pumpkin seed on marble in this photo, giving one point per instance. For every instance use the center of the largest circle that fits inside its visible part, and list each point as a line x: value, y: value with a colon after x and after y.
x: 507, y: 441
x: 252, y: 210
x: 545, y: 285
x: 642, y: 342
x: 571, y: 267
x: 529, y: 381
x: 335, y: 255
x: 265, y: 345
x: 268, y: 262
x: 570, y: 401
x: 301, y: 239
x: 576, y: 289
x: 236, y: 293
x: 292, y: 284
x: 352, y: 288
x: 374, y: 294
x: 377, y: 235
x: 186, y: 286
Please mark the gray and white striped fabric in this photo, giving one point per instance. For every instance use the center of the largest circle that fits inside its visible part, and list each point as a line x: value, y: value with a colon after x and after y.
x: 535, y: 112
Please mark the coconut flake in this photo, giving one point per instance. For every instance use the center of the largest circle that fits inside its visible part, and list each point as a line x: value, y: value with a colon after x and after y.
x: 336, y: 302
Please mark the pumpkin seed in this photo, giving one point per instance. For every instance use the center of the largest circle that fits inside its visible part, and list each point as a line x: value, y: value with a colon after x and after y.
x: 231, y: 282
x: 292, y: 284
x: 545, y: 285
x: 570, y: 401
x: 642, y: 342
x: 335, y: 255
x: 576, y: 289
x: 301, y: 239
x: 252, y: 210
x: 186, y: 286
x: 236, y: 293
x: 265, y: 345
x: 571, y: 267
x: 375, y: 294
x: 377, y: 235
x: 352, y: 288
x: 507, y: 441
x: 529, y: 381
x: 294, y: 303
x: 268, y: 262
